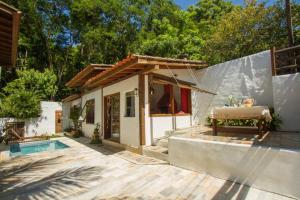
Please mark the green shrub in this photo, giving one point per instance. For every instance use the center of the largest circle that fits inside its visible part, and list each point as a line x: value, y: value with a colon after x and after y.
x: 77, y: 134
x: 273, y: 125
x: 96, y: 138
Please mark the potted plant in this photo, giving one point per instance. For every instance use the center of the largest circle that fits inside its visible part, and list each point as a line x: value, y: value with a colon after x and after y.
x: 74, y: 116
x: 96, y: 138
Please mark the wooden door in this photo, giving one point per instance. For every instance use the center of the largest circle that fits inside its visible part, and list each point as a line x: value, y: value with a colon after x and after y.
x: 107, y: 118
x: 112, y: 117
x: 58, y: 121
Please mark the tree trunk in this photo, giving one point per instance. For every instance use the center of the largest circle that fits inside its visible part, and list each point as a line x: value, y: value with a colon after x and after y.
x: 289, y: 22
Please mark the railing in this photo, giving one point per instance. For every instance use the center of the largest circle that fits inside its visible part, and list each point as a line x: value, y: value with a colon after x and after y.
x: 285, y: 61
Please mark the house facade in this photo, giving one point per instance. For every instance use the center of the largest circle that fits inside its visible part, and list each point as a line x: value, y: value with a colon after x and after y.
x: 137, y: 100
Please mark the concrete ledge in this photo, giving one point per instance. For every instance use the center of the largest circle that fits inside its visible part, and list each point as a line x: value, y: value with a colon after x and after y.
x: 267, y: 168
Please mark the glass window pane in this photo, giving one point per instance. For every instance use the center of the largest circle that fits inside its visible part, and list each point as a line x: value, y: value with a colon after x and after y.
x: 130, y: 104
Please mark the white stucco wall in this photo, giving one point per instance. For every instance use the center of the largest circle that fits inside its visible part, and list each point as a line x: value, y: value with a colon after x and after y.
x: 129, y: 126
x: 87, y: 128
x: 286, y: 89
x: 66, y: 106
x: 250, y: 76
x: 45, y: 124
x: 266, y: 168
x: 160, y: 126
x: 183, y: 121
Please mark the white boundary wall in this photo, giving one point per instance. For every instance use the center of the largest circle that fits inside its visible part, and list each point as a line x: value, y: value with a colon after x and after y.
x: 45, y: 124
x: 286, y: 89
x: 250, y: 76
x: 267, y: 168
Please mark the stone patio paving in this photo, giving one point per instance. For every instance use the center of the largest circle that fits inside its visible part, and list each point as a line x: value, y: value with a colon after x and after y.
x: 82, y: 172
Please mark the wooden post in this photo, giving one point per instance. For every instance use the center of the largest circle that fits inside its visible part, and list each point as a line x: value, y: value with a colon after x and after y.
x: 260, y: 128
x: 273, y: 61
x: 214, y: 124
x: 142, y: 108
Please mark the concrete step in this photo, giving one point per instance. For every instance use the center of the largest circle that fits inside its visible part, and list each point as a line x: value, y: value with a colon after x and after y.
x: 157, y: 152
x: 163, y: 143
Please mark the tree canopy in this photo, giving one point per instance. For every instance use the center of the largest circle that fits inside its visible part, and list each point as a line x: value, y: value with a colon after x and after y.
x: 63, y: 36
x: 21, y: 97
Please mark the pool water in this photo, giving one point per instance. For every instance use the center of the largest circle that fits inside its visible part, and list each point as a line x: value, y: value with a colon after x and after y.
x: 34, y: 147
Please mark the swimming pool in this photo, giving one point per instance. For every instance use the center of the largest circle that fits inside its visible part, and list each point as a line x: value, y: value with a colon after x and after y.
x: 34, y: 147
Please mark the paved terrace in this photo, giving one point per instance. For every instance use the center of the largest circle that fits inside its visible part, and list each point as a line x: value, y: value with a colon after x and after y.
x: 82, y: 172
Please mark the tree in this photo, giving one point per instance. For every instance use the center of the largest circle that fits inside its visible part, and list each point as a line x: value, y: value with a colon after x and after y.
x: 245, y: 31
x: 21, y: 97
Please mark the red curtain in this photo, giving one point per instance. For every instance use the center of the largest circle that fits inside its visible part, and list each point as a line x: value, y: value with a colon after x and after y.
x: 167, y: 89
x: 184, y: 99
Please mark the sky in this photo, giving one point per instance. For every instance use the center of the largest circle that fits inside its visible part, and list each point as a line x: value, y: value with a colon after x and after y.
x: 186, y: 3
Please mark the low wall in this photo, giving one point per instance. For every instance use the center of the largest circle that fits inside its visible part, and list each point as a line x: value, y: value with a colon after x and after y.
x: 45, y: 124
x: 270, y: 169
x: 286, y: 89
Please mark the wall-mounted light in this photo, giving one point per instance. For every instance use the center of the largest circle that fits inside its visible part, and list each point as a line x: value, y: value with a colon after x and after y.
x: 151, y: 90
x: 136, y: 92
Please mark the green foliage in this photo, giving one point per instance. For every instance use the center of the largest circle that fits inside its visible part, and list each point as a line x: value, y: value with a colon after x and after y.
x: 96, y: 138
x: 64, y: 36
x: 246, y: 31
x: 21, y: 105
x: 273, y: 125
x: 21, y: 97
x: 41, y: 84
x: 74, y: 116
x: 77, y: 133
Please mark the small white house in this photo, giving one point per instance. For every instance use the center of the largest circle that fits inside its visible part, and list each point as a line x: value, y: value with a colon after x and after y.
x: 137, y: 100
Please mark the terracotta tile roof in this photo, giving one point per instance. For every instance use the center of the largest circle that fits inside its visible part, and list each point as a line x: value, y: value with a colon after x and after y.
x: 134, y: 63
x: 71, y: 98
x: 88, y: 72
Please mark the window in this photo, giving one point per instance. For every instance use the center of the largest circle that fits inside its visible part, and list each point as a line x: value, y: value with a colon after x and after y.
x: 182, y: 100
x: 167, y: 99
x: 130, y: 104
x: 161, y: 99
x: 90, y: 111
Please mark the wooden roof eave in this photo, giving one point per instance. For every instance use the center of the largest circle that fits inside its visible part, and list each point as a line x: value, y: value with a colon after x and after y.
x: 10, y: 26
x: 162, y: 79
x: 71, y: 98
x: 79, y: 78
x: 134, y: 64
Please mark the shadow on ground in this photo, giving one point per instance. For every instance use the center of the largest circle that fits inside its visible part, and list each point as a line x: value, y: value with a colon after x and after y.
x: 26, y: 181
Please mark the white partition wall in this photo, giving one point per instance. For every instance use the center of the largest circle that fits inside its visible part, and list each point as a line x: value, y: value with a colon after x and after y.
x: 88, y: 128
x: 286, y: 90
x: 250, y: 76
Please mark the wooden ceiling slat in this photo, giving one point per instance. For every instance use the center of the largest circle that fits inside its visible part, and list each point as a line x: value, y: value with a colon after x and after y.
x: 5, y: 14
x: 5, y: 21
x: 5, y: 35
x: 5, y: 42
x: 6, y: 29
x: 5, y: 48
x: 5, y: 53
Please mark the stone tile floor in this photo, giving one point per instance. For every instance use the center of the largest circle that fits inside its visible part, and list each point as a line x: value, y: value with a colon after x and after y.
x: 82, y: 172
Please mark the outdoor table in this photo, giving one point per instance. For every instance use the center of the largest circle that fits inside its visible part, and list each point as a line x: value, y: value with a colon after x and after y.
x: 261, y: 113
